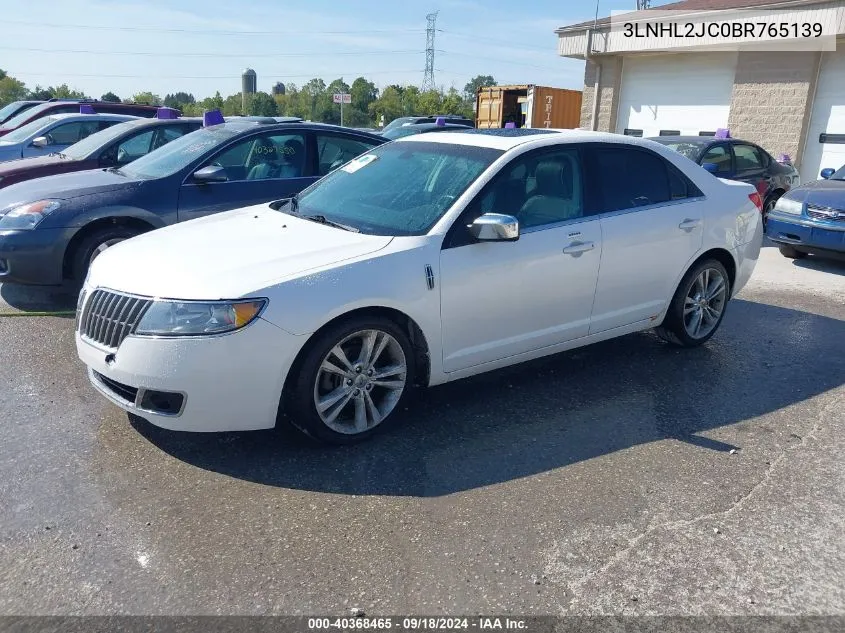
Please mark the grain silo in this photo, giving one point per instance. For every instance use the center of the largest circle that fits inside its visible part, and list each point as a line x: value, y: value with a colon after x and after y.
x: 279, y: 88
x: 249, y: 85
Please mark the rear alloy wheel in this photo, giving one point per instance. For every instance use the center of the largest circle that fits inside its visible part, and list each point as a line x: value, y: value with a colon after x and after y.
x: 94, y: 245
x: 352, y: 380
x: 792, y: 253
x: 698, y: 306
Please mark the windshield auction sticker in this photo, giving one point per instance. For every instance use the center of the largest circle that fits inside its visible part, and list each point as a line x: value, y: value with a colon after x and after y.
x: 362, y: 161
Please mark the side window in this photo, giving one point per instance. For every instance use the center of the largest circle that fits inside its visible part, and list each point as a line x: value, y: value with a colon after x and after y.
x: 67, y: 133
x: 264, y: 157
x: 334, y: 151
x: 134, y: 147
x: 720, y: 156
x: 630, y: 178
x: 747, y: 158
x: 681, y: 187
x: 538, y: 190
x: 169, y: 133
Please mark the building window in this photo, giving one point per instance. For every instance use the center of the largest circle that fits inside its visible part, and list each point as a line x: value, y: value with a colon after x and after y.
x: 670, y: 133
x: 630, y: 132
x: 838, y: 139
x: 707, y: 133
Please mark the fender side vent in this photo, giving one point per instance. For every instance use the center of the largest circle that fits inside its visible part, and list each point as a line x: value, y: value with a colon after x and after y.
x: 429, y: 277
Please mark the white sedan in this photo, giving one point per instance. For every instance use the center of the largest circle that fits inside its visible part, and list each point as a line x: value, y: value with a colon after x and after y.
x: 426, y: 260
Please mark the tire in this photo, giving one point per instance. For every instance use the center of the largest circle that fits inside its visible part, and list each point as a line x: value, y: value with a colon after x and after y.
x: 356, y: 388
x: 92, y: 245
x: 791, y: 252
x: 768, y: 206
x: 679, y: 325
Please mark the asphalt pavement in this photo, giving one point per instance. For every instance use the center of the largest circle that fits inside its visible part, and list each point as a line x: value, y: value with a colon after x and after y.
x: 623, y: 478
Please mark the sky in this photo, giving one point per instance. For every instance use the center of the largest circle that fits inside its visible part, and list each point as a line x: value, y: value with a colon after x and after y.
x: 130, y: 46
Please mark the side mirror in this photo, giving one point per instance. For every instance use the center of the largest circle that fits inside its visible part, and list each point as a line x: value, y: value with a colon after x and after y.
x: 212, y: 173
x: 495, y: 227
x: 827, y: 172
x: 711, y: 167
x: 41, y: 141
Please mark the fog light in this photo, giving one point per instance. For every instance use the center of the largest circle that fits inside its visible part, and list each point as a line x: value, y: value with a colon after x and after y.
x: 162, y: 402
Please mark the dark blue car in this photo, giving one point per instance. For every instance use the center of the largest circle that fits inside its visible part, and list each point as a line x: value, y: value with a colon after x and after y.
x: 735, y: 159
x: 52, y: 228
x: 810, y: 219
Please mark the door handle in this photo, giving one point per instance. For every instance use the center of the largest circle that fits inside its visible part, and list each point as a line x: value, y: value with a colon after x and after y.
x: 576, y: 248
x: 689, y: 224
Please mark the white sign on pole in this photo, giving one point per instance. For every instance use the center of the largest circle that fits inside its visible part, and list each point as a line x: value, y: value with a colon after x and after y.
x: 342, y: 98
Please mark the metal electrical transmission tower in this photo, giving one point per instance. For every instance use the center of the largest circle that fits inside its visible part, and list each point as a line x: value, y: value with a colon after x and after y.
x: 428, y: 78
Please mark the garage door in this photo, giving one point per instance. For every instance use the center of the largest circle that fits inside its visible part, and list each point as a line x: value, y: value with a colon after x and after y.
x: 678, y: 94
x: 825, y: 145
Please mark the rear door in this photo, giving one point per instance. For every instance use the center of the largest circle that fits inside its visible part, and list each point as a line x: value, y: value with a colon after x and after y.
x: 652, y: 225
x: 260, y: 168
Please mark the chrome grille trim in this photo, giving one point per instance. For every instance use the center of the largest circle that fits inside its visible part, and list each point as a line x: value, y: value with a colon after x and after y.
x: 825, y: 213
x: 108, y: 317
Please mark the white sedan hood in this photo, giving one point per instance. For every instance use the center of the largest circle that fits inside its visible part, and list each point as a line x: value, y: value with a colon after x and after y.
x: 227, y: 255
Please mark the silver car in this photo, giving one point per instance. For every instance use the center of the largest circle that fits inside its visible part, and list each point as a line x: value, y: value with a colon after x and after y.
x: 52, y: 134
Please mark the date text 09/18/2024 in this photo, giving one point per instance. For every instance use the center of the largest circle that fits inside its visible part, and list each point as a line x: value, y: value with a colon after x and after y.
x: 416, y: 624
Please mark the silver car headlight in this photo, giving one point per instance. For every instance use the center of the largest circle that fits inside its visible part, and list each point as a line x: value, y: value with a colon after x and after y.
x: 27, y: 216
x: 789, y: 206
x: 197, y: 318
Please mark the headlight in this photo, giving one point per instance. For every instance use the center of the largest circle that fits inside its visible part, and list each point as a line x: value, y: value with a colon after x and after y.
x: 787, y: 205
x: 27, y: 216
x: 193, y: 318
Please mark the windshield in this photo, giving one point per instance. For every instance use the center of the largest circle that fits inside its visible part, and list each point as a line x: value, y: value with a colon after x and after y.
x: 690, y: 150
x: 24, y: 116
x: 7, y: 110
x: 402, y: 120
x: 397, y: 188
x: 399, y: 132
x: 24, y: 132
x: 97, y: 141
x: 839, y: 174
x: 178, y: 154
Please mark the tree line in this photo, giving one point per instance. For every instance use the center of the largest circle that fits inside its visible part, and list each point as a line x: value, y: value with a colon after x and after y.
x: 370, y: 106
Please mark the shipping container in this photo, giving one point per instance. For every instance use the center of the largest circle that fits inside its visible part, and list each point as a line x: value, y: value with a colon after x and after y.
x: 528, y: 106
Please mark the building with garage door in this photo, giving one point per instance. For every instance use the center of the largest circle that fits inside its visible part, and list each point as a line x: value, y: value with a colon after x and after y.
x: 788, y: 101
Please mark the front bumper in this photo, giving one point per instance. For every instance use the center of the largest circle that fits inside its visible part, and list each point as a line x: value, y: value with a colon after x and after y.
x: 33, y: 256
x: 230, y: 382
x: 800, y: 231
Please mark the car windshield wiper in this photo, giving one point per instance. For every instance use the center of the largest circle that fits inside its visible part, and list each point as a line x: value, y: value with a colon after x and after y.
x: 115, y: 170
x: 323, y: 220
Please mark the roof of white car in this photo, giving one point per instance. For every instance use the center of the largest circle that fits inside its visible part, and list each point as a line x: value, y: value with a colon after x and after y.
x: 505, y: 139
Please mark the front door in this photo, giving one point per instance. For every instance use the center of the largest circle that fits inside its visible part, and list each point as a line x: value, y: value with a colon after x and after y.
x: 500, y: 299
x: 750, y: 167
x: 652, y: 224
x: 260, y: 168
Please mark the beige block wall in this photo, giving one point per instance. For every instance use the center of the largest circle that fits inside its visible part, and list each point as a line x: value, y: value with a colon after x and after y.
x: 611, y: 75
x: 771, y: 95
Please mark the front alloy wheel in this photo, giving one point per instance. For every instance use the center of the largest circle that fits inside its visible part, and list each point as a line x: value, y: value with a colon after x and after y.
x: 350, y: 380
x: 360, y: 381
